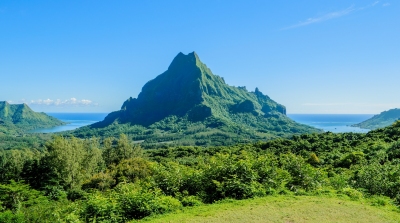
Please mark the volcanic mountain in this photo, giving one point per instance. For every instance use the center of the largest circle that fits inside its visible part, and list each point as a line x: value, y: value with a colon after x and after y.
x: 381, y: 120
x: 189, y: 96
x: 21, y: 117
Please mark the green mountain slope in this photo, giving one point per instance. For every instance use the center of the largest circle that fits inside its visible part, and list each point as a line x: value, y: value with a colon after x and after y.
x: 384, y: 119
x: 19, y: 117
x: 189, y: 104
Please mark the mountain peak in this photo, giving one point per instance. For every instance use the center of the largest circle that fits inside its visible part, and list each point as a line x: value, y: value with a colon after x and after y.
x: 189, y: 89
x: 22, y: 116
x: 182, y: 60
x: 188, y: 101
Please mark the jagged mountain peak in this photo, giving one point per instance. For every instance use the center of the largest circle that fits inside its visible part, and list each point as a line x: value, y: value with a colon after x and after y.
x: 181, y: 59
x: 188, y: 88
x: 189, y: 105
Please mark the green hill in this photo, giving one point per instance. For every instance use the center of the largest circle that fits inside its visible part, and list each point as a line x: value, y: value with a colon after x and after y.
x: 19, y: 118
x: 384, y: 119
x: 188, y: 104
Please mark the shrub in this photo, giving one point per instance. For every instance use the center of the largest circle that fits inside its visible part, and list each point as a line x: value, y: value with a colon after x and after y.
x: 351, y: 159
x: 101, y: 181
x: 137, y: 202
x: 380, y: 201
x: 303, y: 175
x: 191, y: 201
x: 352, y: 193
x: 102, y: 208
x: 9, y: 217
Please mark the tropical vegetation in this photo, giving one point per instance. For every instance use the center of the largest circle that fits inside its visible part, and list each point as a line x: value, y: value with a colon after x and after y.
x: 115, y: 180
x: 381, y: 120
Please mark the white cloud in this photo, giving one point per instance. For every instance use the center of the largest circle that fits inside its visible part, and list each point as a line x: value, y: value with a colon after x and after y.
x: 373, y: 4
x: 386, y: 4
x: 330, y: 15
x: 59, y: 102
x: 391, y: 105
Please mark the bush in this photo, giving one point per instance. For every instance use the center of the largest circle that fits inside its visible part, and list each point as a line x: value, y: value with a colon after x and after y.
x: 303, y: 175
x: 137, y: 202
x: 381, y: 201
x: 191, y: 201
x: 351, y: 193
x: 352, y: 158
x: 101, y: 181
x: 9, y: 217
x: 102, y: 208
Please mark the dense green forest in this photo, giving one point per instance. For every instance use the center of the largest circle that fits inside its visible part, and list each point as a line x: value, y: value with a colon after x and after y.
x: 177, y: 131
x: 115, y: 180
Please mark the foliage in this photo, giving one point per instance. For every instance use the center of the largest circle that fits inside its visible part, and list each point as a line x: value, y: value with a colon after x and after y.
x: 115, y: 180
x: 17, y: 118
x: 381, y: 120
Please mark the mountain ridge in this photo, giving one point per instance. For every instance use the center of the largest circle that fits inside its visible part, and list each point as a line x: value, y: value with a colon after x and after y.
x: 23, y: 118
x: 189, y: 88
x: 188, y: 94
x: 384, y: 119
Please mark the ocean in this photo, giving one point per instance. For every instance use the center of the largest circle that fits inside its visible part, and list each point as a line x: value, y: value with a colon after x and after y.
x: 332, y: 123
x: 74, y: 120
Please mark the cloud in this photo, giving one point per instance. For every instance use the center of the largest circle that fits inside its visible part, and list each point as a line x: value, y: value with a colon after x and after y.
x: 330, y: 15
x: 391, y: 105
x: 59, y: 102
x: 325, y: 104
x: 373, y: 4
x: 386, y: 4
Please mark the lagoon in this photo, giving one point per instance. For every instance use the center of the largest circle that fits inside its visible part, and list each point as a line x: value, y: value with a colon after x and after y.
x: 336, y: 123
x: 328, y: 122
x: 74, y: 120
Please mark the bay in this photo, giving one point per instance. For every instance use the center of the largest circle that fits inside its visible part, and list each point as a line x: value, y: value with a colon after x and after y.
x: 74, y: 120
x: 328, y: 122
x: 332, y: 122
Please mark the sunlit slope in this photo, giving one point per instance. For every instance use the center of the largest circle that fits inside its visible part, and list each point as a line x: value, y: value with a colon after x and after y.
x: 19, y: 117
x: 286, y: 209
x: 189, y: 99
x: 384, y: 119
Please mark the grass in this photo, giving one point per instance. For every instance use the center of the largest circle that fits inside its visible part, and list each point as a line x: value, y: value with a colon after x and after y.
x: 286, y: 209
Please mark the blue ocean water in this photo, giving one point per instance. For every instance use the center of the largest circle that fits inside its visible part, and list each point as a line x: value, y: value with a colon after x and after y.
x: 74, y: 120
x: 332, y: 122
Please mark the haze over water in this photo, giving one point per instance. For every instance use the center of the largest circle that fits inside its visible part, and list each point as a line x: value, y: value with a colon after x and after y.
x: 328, y: 122
x: 332, y: 122
x: 74, y: 120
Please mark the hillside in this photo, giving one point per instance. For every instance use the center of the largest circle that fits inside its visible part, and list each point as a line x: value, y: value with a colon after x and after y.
x: 16, y: 118
x: 284, y: 209
x: 188, y: 104
x: 329, y: 177
x: 384, y: 119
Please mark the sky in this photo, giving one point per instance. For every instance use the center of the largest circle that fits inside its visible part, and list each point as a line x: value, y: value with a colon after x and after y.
x: 313, y: 56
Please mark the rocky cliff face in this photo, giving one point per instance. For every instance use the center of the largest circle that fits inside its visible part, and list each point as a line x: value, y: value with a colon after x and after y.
x: 189, y: 89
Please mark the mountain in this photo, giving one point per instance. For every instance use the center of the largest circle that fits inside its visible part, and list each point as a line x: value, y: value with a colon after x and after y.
x: 189, y: 103
x: 19, y: 117
x: 384, y: 119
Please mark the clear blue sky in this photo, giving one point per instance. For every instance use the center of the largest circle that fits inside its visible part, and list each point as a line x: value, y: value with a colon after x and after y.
x: 312, y: 56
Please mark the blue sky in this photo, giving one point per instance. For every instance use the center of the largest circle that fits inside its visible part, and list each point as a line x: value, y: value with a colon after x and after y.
x: 311, y: 56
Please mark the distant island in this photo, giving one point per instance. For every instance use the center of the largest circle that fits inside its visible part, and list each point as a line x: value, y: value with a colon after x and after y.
x: 17, y: 118
x: 384, y: 119
x: 189, y: 105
